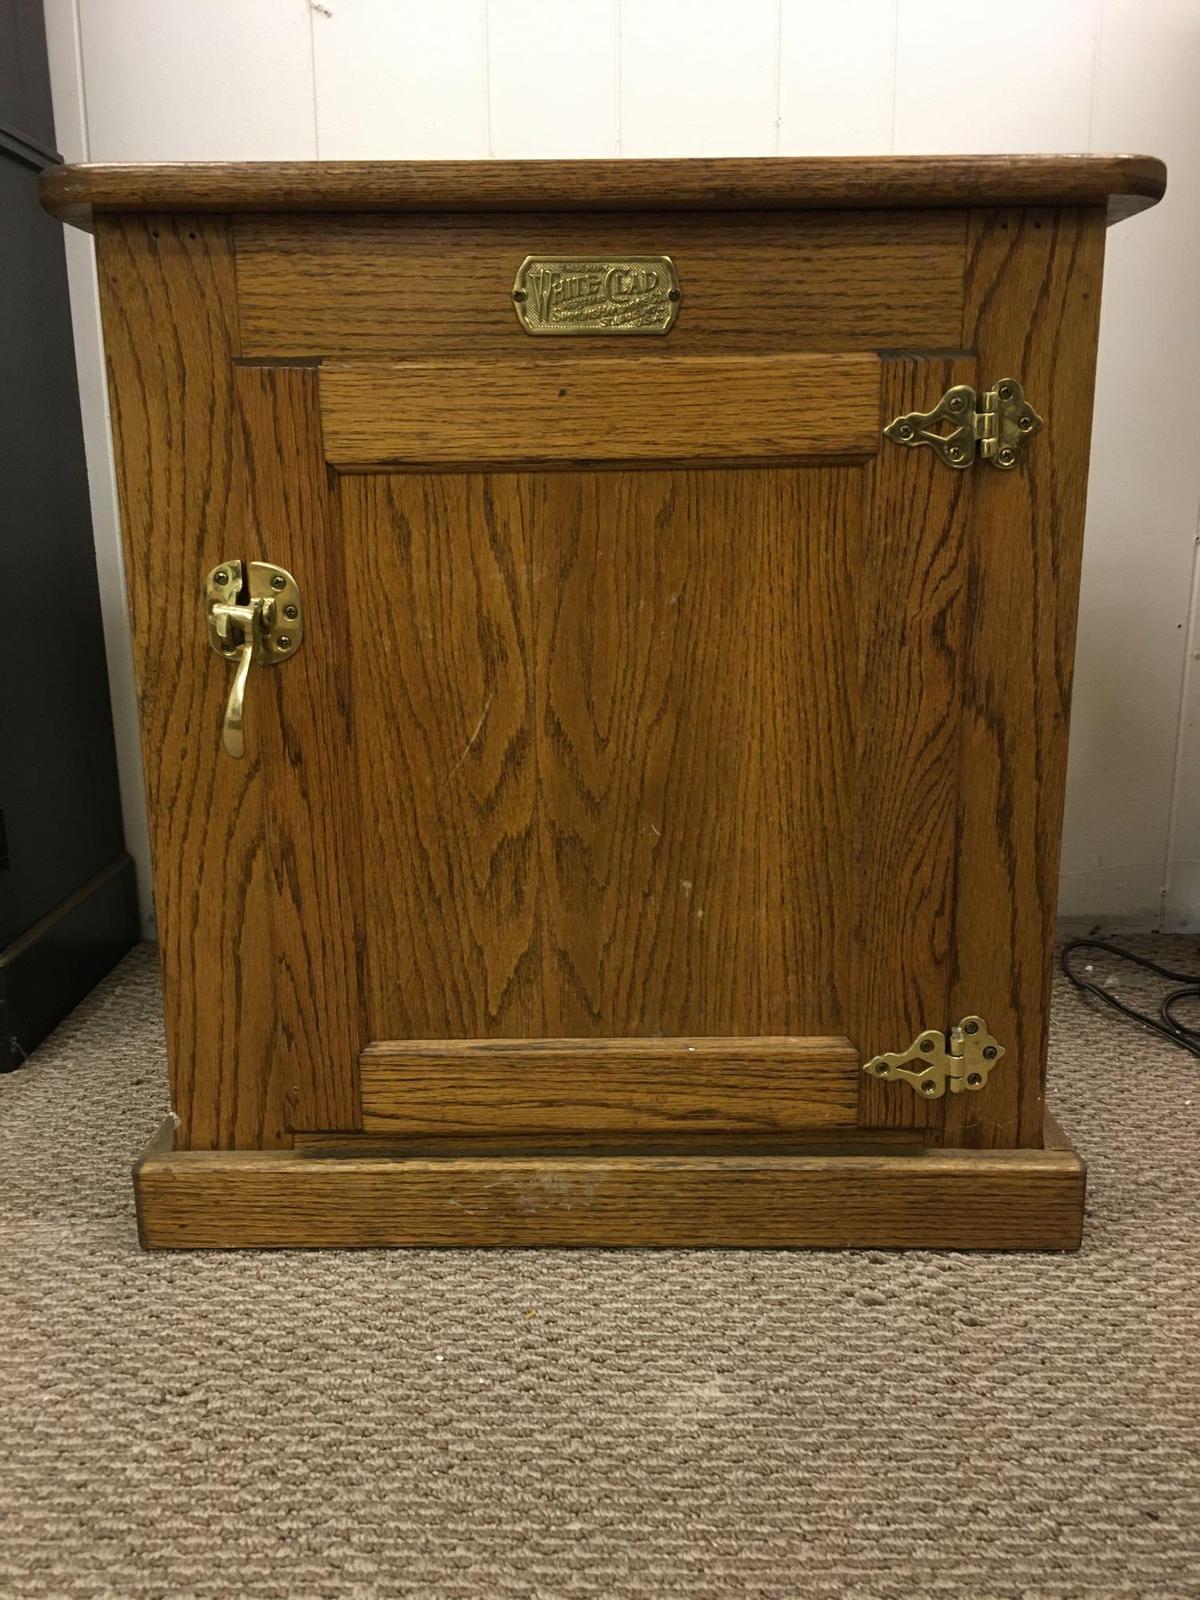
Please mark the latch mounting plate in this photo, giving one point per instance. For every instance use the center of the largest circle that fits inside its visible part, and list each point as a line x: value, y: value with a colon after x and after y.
x: 268, y: 614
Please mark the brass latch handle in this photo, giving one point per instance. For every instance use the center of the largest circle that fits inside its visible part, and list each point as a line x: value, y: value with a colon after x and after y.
x: 260, y: 622
x: 233, y: 724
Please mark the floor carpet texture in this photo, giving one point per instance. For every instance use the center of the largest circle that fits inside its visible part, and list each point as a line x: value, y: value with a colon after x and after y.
x: 480, y: 1425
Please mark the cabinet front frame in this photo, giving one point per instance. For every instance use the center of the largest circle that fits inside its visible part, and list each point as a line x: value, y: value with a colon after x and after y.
x: 218, y: 442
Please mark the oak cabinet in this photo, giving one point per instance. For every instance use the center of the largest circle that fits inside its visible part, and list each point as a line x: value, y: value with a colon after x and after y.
x: 605, y: 788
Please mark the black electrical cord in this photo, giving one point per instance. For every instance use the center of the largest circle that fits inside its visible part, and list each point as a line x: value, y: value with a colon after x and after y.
x: 1165, y: 1024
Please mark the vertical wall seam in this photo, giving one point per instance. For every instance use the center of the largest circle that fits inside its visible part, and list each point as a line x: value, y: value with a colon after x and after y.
x: 312, y: 68
x: 620, y: 82
x: 487, y: 70
x: 1191, y: 638
x: 77, y: 8
x: 778, y: 73
x: 1097, y: 39
x: 891, y: 150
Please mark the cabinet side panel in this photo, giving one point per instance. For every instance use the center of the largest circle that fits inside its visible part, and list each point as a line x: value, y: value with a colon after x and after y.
x: 1033, y: 302
x: 167, y: 294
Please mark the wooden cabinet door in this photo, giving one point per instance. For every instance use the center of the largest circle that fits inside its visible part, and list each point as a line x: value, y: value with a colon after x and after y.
x: 663, y: 744
x: 615, y: 794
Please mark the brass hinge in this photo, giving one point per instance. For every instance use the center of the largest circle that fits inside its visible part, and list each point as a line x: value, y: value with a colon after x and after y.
x: 936, y: 1066
x: 958, y: 429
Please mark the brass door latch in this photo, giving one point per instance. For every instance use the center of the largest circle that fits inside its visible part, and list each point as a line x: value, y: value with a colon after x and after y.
x: 958, y: 429
x: 255, y: 619
x: 932, y: 1066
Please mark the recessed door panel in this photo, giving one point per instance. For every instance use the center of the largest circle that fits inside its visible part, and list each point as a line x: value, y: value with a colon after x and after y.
x: 605, y: 734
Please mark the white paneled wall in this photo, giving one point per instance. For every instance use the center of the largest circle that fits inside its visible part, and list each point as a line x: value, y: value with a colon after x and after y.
x: 162, y: 80
x: 195, y: 82
x: 837, y: 81
x: 554, y: 78
x: 964, y: 84
x: 392, y: 79
x: 1136, y: 749
x: 699, y: 77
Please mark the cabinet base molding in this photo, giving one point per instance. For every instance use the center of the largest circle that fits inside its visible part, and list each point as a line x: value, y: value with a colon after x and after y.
x: 934, y: 1199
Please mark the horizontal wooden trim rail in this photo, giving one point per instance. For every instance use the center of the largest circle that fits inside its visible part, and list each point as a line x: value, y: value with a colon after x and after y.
x: 822, y: 1141
x: 938, y: 1199
x: 399, y: 287
x: 1123, y: 183
x: 603, y: 409
x: 537, y: 1086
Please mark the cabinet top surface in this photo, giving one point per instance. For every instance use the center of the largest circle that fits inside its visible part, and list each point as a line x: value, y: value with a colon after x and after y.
x: 1122, y: 183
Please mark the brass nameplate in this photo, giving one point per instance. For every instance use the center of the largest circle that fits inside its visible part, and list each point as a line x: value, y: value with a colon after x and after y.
x: 639, y: 294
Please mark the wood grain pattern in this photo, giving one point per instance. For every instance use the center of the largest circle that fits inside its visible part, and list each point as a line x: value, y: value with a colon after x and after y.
x: 1053, y: 1137
x: 962, y: 1200
x: 328, y: 286
x: 1033, y: 311
x: 444, y: 751
x: 605, y: 774
x: 301, y: 718
x: 167, y: 293
x: 694, y: 732
x: 337, y: 1145
x: 607, y: 409
x: 1125, y: 183
x: 912, y: 596
x: 538, y: 1086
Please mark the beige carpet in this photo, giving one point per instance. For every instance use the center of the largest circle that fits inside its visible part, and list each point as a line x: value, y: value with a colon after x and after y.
x: 599, y: 1424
